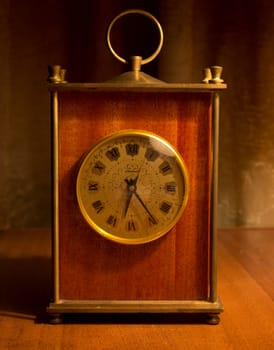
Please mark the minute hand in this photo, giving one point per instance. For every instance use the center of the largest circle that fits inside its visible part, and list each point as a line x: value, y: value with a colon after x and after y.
x: 144, y: 206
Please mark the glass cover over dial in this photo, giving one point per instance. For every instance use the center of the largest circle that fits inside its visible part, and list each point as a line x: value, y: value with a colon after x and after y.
x: 132, y: 187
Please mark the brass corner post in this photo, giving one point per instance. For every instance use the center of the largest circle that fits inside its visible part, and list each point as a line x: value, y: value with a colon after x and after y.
x: 214, y: 194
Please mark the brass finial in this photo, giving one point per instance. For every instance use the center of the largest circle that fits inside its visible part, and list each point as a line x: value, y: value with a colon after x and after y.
x: 56, y: 74
x: 213, y: 75
x: 216, y: 72
x: 207, y: 75
x: 63, y: 75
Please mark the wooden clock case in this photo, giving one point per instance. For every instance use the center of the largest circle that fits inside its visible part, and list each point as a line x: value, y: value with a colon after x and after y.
x: 174, y: 274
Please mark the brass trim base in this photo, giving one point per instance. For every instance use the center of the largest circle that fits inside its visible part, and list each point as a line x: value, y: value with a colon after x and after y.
x: 211, y: 309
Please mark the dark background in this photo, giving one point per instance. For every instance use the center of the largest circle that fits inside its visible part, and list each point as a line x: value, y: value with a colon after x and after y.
x: 237, y: 35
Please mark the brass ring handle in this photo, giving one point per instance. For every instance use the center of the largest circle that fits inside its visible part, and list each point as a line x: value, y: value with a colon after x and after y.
x: 141, y: 12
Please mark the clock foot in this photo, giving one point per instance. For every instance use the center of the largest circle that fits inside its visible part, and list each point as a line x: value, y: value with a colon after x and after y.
x: 56, y: 319
x: 212, y: 319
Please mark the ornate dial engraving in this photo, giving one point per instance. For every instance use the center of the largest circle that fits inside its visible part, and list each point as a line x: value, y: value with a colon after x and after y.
x: 132, y: 187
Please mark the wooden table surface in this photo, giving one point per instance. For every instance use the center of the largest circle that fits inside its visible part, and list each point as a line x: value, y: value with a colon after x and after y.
x: 245, y: 285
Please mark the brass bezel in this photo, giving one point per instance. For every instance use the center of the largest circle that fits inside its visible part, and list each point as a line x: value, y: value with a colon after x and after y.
x: 124, y: 134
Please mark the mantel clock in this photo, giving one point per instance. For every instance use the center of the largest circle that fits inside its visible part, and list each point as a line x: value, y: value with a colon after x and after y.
x: 134, y: 193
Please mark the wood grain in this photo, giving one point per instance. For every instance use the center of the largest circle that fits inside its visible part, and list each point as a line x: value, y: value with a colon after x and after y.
x: 173, y: 267
x: 246, y: 291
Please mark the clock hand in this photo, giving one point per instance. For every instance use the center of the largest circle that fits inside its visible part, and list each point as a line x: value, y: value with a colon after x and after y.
x: 129, y: 196
x: 145, y: 207
x: 131, y: 188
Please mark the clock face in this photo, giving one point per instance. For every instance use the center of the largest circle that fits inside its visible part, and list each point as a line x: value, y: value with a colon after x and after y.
x: 132, y: 187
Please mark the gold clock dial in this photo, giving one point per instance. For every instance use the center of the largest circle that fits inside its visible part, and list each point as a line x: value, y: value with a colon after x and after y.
x: 132, y: 187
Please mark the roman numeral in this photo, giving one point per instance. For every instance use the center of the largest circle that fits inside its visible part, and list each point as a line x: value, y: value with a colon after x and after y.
x: 131, y: 226
x: 132, y: 149
x: 165, y: 207
x: 98, y: 168
x: 113, y: 154
x: 93, y: 186
x: 165, y: 168
x: 98, y: 206
x: 171, y: 187
x: 151, y: 154
x: 112, y: 220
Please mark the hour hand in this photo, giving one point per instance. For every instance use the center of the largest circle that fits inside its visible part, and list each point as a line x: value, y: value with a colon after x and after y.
x: 131, y: 182
x: 131, y: 188
x: 129, y: 195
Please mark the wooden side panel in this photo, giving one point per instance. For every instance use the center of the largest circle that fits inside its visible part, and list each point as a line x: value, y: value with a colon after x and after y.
x: 174, y: 267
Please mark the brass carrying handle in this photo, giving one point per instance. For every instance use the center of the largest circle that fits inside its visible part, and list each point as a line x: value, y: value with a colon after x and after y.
x: 146, y: 14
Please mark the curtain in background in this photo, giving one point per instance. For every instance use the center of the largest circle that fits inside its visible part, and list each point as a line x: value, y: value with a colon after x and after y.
x: 237, y: 35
